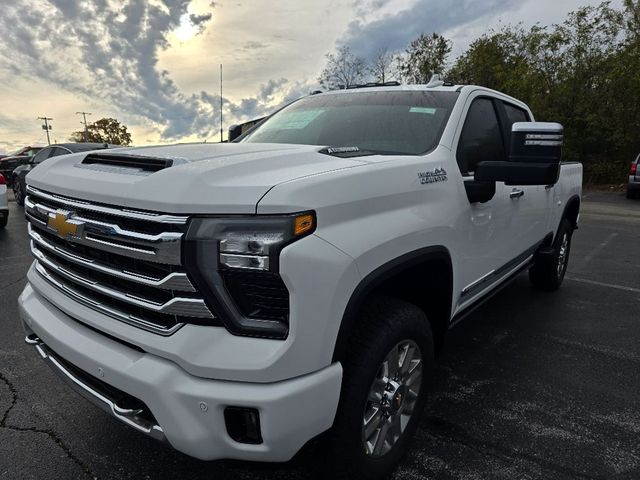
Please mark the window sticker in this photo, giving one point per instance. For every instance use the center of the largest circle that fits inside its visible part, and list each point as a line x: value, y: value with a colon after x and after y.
x: 428, y: 111
x: 293, y: 120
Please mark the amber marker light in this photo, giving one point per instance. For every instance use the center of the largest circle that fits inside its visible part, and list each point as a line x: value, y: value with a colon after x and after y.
x: 304, y: 224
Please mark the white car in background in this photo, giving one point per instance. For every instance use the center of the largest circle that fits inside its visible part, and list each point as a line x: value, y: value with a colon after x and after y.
x: 4, y: 206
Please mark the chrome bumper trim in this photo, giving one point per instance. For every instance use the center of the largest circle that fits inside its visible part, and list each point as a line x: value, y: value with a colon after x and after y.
x: 128, y: 416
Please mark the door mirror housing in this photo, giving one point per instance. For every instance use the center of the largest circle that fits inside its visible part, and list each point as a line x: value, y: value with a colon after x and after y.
x: 536, y: 142
x: 534, y: 156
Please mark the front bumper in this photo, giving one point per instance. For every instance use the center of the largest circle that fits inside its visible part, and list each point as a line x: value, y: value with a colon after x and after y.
x: 187, y: 411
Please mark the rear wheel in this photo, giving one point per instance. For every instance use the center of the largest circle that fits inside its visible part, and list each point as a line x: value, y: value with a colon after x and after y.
x: 4, y: 218
x: 383, y: 392
x: 18, y: 193
x: 547, y: 273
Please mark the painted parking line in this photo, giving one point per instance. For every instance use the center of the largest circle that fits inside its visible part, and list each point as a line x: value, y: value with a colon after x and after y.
x: 603, y: 284
x: 600, y: 247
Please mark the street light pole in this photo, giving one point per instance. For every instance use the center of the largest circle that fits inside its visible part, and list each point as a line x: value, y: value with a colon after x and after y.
x: 84, y: 122
x: 46, y: 127
x: 221, y: 129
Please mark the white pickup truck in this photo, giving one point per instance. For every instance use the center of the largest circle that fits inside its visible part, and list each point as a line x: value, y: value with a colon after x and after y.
x: 238, y: 300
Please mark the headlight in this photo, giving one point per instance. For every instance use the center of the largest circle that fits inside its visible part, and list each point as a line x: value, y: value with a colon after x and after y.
x: 234, y: 263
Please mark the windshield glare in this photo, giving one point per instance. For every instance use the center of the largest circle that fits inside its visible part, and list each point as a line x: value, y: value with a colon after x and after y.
x: 398, y: 122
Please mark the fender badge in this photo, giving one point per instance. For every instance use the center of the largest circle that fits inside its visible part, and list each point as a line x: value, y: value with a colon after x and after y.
x: 433, y: 176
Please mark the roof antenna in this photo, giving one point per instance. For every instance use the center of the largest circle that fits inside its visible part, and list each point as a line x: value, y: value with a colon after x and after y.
x: 435, y: 81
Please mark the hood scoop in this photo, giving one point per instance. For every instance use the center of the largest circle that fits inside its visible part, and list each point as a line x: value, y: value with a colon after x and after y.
x: 127, y: 164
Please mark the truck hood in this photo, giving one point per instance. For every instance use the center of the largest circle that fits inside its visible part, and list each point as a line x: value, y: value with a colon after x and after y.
x: 204, y: 178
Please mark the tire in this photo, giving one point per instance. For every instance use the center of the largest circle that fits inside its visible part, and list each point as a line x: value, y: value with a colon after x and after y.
x: 387, y: 327
x: 547, y: 273
x: 632, y: 193
x: 18, y: 193
x: 3, y: 220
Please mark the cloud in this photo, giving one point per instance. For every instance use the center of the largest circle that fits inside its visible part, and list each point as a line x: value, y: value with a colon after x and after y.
x: 394, y: 31
x: 200, y: 21
x: 108, y: 50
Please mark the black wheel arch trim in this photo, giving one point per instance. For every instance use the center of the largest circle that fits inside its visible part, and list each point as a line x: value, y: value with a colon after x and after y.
x: 377, y: 277
x: 574, y: 199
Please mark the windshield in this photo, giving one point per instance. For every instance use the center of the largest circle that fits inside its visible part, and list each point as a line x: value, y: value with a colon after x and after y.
x: 400, y: 122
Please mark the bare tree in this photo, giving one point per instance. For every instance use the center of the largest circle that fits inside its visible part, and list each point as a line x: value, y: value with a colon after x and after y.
x: 383, y: 66
x: 343, y: 70
x: 424, y: 57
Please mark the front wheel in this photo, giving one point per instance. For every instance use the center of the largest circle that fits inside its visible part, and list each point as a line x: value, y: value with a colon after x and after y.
x: 547, y: 273
x: 384, y: 390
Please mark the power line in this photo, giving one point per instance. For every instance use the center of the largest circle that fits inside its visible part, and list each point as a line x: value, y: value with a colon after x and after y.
x: 46, y: 127
x: 84, y: 122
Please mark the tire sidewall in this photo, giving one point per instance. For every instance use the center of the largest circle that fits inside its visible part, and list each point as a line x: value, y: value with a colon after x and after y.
x: 18, y: 193
x: 358, y: 377
x: 565, y: 229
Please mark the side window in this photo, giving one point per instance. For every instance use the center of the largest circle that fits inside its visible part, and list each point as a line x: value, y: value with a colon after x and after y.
x: 515, y: 114
x: 481, y: 139
x: 42, y: 155
x: 58, y: 151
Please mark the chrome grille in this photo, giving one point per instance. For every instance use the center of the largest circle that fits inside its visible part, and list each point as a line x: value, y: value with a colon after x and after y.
x: 120, y: 262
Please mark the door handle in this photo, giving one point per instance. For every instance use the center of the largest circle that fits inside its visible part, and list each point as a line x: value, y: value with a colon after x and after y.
x: 516, y: 193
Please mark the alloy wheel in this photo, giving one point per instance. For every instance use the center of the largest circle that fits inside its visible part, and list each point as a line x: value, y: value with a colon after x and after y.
x: 562, y: 255
x: 392, y: 398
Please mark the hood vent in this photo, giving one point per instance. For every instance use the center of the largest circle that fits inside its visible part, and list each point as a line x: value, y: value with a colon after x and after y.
x: 137, y: 162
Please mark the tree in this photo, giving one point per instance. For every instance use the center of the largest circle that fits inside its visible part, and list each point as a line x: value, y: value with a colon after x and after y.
x: 425, y: 56
x: 583, y: 73
x: 105, y: 130
x: 383, y: 66
x: 344, y: 69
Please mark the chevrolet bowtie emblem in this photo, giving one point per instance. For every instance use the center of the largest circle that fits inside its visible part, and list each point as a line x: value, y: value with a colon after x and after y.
x: 63, y: 225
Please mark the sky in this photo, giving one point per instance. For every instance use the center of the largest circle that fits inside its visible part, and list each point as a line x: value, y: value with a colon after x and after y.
x: 154, y: 64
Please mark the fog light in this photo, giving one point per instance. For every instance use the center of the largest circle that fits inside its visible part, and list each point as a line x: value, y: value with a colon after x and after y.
x: 243, y: 424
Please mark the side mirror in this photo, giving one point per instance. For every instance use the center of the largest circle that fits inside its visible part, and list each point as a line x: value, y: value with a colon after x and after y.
x: 534, y: 156
x: 536, y: 142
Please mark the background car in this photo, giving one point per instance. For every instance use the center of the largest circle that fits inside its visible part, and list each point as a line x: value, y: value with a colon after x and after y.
x: 633, y: 187
x: 20, y: 173
x: 10, y: 162
x: 4, y: 206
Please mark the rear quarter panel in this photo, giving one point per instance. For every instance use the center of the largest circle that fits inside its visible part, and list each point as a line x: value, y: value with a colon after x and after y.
x: 569, y: 187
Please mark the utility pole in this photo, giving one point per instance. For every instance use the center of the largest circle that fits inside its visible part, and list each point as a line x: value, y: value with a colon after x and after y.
x: 84, y: 122
x: 46, y: 126
x: 221, y: 130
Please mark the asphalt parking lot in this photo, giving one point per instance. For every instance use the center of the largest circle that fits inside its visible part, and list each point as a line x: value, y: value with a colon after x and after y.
x: 531, y: 386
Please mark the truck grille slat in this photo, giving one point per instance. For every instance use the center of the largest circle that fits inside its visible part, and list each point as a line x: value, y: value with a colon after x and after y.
x: 119, y: 262
x: 162, y: 247
x: 172, y: 281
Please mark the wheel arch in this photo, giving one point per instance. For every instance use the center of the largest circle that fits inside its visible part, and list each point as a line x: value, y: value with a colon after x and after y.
x: 571, y: 212
x: 432, y: 265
